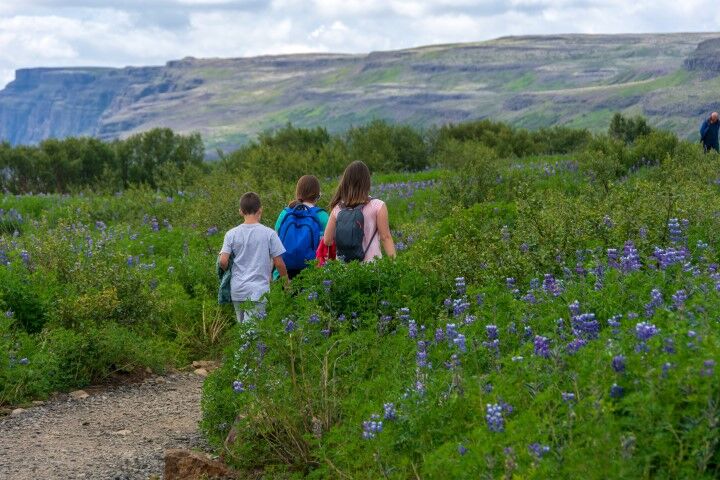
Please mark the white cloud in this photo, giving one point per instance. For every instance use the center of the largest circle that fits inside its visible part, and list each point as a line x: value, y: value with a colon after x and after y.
x: 139, y: 32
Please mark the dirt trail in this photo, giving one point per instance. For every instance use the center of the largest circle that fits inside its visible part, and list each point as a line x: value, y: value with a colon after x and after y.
x: 118, y: 434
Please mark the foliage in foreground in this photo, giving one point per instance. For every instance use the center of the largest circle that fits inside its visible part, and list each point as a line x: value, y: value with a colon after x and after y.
x: 518, y: 338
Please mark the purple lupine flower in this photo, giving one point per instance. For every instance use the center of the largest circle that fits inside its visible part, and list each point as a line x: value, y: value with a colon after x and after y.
x: 644, y: 331
x: 100, y: 225
x: 314, y: 318
x: 460, y: 342
x: 439, y: 335
x: 154, y: 225
x: 412, y: 329
x: 616, y: 391
x: 342, y: 317
x: 494, y: 417
x: 421, y: 355
x: 372, y: 427
x: 574, y: 308
x: 630, y: 261
x: 312, y: 296
x: 325, y: 332
x: 613, y: 258
x: 327, y: 284
x: 679, y: 299
x: 404, y: 314
x: 493, y: 345
x: 470, y: 319
x: 451, y: 331
x: 676, y: 234
x: 492, y: 331
x: 510, y: 283
x: 666, y: 369
x: 607, y: 221
x: 576, y: 344
x: 527, y: 331
x: 480, y: 299
x: 551, y: 286
x: 460, y: 306
x: 460, y: 286
x: 618, y: 363
x: 25, y: 256
x: 586, y: 326
x: 669, y: 345
x: 289, y: 326
x: 390, y: 412
x: 461, y: 449
x: 614, y: 323
x: 542, y: 346
x: 656, y: 301
x: 568, y: 397
x: 25, y: 361
x: 708, y: 368
x: 643, y: 232
x: 9, y: 314
x: 211, y: 231
x: 529, y: 298
x: 537, y: 450
x: 238, y: 386
x: 420, y: 387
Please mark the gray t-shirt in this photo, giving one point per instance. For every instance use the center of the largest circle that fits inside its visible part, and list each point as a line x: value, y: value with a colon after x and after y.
x: 254, y: 246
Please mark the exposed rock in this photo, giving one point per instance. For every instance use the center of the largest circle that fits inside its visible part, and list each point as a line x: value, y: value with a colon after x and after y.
x: 189, y: 465
x: 38, y: 403
x: 122, y: 433
x: 230, y: 100
x: 17, y: 411
x: 208, y: 365
x: 706, y: 57
x: 202, y: 372
x: 79, y: 395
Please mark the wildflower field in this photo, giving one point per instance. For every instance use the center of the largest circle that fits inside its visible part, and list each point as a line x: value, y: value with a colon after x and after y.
x: 552, y: 313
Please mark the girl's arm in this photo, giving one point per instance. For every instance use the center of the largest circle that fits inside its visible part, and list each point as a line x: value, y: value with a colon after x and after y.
x: 383, y: 226
x: 330, y: 231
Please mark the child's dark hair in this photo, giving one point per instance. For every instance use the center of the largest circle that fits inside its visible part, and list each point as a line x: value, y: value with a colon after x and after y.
x: 306, y: 190
x: 250, y: 203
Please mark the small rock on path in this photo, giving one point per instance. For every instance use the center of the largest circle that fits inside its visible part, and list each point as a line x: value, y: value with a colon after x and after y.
x: 120, y: 434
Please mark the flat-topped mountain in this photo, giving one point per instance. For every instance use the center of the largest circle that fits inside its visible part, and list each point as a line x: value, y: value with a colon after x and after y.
x: 533, y: 81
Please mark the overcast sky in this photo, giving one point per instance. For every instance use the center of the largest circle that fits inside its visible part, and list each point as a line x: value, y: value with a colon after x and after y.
x: 150, y: 32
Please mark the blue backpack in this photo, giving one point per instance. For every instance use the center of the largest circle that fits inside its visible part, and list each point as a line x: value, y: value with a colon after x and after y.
x: 300, y: 233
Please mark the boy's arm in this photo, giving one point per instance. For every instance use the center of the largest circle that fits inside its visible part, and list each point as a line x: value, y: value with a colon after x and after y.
x: 280, y: 265
x: 224, y: 260
x: 224, y: 256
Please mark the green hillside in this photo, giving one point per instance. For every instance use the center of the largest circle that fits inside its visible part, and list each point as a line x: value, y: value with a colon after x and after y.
x: 528, y: 81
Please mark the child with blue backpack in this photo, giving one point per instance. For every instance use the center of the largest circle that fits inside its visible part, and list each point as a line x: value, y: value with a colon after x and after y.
x: 301, y: 225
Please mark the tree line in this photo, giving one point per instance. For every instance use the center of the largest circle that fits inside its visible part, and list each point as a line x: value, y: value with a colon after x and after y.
x: 156, y: 158
x: 163, y: 159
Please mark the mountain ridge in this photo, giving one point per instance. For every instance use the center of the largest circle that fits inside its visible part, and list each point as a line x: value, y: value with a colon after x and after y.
x: 528, y: 81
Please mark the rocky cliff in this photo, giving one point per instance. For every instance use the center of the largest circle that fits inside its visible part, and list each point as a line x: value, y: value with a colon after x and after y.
x: 529, y: 81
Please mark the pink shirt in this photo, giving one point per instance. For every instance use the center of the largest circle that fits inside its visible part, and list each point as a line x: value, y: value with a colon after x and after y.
x: 370, y: 212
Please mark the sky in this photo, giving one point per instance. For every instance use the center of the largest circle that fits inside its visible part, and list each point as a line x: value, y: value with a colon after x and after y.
x: 118, y: 33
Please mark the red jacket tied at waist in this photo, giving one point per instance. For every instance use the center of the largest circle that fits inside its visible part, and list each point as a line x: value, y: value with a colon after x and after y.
x: 325, y: 253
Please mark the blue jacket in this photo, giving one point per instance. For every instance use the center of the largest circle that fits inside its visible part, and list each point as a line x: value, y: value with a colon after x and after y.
x: 709, y: 134
x: 225, y: 292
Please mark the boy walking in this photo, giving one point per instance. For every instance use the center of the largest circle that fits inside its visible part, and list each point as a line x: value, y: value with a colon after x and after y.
x: 256, y: 249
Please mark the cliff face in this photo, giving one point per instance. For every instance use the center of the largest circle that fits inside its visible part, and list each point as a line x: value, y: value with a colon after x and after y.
x: 528, y: 81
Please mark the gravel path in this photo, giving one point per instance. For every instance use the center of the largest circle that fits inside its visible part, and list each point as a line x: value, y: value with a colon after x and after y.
x: 117, y: 434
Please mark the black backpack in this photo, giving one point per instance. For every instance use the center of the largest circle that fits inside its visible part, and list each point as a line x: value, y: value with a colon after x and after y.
x: 349, y: 234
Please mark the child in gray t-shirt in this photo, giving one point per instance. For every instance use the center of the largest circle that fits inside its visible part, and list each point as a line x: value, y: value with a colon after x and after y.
x: 256, y: 249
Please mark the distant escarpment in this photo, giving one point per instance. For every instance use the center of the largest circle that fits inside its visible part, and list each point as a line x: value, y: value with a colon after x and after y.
x: 538, y: 81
